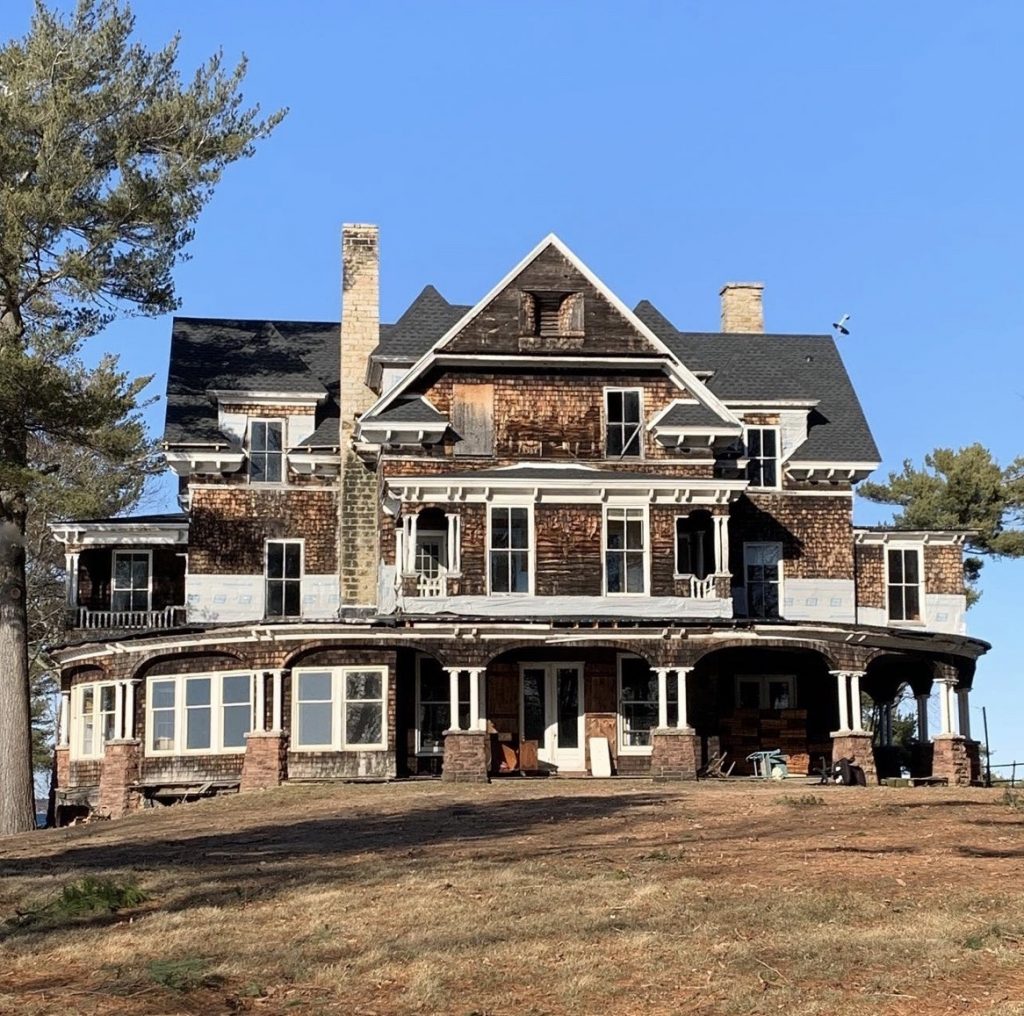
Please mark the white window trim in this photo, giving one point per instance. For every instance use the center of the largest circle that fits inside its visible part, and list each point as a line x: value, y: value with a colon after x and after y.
x: 620, y: 716
x: 904, y: 545
x: 675, y: 549
x: 782, y: 578
x: 550, y: 668
x: 642, y: 433
x: 216, y: 714
x: 75, y: 741
x: 441, y: 536
x: 283, y: 482
x: 647, y: 548
x: 531, y: 547
x: 338, y: 708
x: 764, y: 680
x: 778, y: 452
x: 149, y: 568
x: 266, y: 576
x: 420, y: 751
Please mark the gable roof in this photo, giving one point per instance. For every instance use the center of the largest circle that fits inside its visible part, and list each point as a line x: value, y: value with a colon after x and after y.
x: 430, y: 315
x: 762, y: 368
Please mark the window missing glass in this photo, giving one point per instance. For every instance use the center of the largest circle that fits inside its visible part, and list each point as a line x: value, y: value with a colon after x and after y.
x: 284, y: 578
x: 623, y: 434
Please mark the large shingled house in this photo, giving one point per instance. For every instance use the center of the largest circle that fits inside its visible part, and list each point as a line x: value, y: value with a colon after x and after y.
x: 525, y: 535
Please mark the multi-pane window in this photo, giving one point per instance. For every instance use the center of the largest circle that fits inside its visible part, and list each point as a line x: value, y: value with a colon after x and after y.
x: 129, y: 587
x: 97, y: 718
x: 623, y: 431
x: 435, y: 706
x: 510, y: 550
x: 763, y: 456
x: 904, y: 584
x: 429, y: 554
x: 284, y: 578
x: 266, y: 451
x: 762, y: 565
x: 340, y: 708
x: 765, y: 691
x: 638, y: 701
x: 199, y: 713
x: 625, y: 550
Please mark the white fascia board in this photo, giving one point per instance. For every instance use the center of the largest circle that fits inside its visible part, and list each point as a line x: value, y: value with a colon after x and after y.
x: 308, y: 463
x: 690, y: 380
x: 402, y: 433
x: 103, y: 534
x: 771, y: 403
x: 853, y: 471
x: 942, y: 537
x: 202, y: 461
x: 267, y: 398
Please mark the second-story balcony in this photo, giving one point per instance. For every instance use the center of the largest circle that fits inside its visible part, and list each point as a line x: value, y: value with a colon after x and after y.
x: 90, y: 620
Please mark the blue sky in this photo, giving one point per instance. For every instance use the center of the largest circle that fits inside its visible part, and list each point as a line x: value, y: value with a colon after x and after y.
x: 857, y: 157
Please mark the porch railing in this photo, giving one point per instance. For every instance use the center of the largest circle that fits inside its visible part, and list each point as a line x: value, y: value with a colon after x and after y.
x: 432, y: 586
x: 168, y: 617
x: 702, y: 589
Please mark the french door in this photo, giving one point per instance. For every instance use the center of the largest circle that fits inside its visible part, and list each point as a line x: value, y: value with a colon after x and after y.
x: 551, y: 712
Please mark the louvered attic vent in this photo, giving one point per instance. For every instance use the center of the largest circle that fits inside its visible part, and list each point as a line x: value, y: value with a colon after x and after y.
x: 550, y: 314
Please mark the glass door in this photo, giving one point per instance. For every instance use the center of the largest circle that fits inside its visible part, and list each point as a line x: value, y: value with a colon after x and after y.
x: 552, y: 713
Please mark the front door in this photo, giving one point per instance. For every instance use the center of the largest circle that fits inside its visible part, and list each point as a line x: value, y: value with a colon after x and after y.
x: 552, y: 713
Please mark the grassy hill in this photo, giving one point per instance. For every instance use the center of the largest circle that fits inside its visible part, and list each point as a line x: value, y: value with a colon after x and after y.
x: 525, y: 898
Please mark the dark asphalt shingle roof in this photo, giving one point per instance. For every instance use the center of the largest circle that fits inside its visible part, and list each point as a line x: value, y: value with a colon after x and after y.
x: 326, y: 435
x: 692, y: 414
x: 425, y: 320
x: 779, y: 367
x: 416, y: 410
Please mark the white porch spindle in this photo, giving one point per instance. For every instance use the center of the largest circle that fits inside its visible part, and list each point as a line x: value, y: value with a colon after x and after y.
x: 64, y: 720
x: 855, y: 677
x: 962, y: 695
x: 841, y: 689
x: 944, y: 711
x: 276, y: 705
x: 662, y: 697
x: 261, y: 700
x: 922, y: 718
x: 129, y: 708
x: 682, y: 719
x: 119, y: 709
x: 453, y: 696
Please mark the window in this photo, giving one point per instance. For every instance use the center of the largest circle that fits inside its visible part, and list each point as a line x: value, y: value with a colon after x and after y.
x: 434, y: 707
x: 763, y: 456
x: 765, y: 691
x: 904, y: 583
x: 695, y: 545
x: 623, y: 432
x: 129, y: 587
x: 430, y: 554
x: 638, y: 702
x: 198, y: 713
x: 339, y: 709
x: 551, y: 314
x: 509, y: 550
x: 284, y: 578
x: 625, y: 554
x: 763, y: 567
x: 97, y: 718
x: 266, y: 451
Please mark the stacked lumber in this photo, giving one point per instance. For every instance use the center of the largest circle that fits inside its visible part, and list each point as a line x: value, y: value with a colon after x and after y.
x: 745, y: 731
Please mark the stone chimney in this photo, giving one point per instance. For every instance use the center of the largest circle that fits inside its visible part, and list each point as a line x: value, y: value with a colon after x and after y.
x: 741, y: 307
x: 358, y: 552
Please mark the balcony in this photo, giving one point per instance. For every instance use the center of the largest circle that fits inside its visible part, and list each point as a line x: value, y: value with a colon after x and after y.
x: 88, y: 619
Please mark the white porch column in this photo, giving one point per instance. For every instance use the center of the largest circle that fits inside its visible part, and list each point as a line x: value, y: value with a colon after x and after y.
x: 922, y: 717
x: 683, y: 718
x: 64, y: 720
x: 129, y: 708
x: 844, y: 709
x: 71, y: 569
x: 722, y: 565
x: 716, y: 523
x: 405, y: 565
x: 963, y: 700
x: 413, y: 519
x: 276, y: 703
x: 855, y: 676
x: 453, y: 543
x: 477, y: 706
x: 945, y: 718
x: 119, y: 710
x: 400, y: 550
x: 453, y: 696
x: 259, y: 724
x: 662, y: 696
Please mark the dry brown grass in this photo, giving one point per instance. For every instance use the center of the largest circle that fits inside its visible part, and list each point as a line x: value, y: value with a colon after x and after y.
x: 531, y: 898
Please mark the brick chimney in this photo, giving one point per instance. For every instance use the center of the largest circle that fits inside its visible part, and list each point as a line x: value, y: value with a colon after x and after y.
x: 358, y: 553
x: 741, y: 307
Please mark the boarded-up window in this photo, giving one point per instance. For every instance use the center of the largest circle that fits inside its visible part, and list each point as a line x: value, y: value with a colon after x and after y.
x: 473, y: 418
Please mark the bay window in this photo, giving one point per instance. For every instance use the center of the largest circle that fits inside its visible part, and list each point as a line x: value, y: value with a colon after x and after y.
x: 339, y: 709
x: 97, y: 719
x: 198, y: 713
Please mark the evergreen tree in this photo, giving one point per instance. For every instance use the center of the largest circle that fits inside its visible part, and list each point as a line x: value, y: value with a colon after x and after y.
x: 106, y: 160
x: 966, y: 490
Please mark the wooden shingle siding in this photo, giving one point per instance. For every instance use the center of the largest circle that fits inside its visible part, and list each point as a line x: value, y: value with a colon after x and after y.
x: 943, y: 570
x: 871, y: 576
x: 568, y: 540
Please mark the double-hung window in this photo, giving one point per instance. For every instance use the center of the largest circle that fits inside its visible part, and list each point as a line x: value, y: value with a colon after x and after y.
x: 97, y: 718
x: 130, y: 585
x: 763, y: 572
x: 623, y: 423
x: 435, y: 706
x: 339, y: 709
x: 763, y: 456
x: 638, y: 702
x: 198, y: 713
x: 509, y: 549
x: 625, y: 556
x: 904, y: 583
x: 284, y: 578
x: 266, y: 451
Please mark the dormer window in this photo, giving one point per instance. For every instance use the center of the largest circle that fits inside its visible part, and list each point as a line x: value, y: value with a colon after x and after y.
x: 266, y: 451
x: 763, y: 457
x: 549, y: 314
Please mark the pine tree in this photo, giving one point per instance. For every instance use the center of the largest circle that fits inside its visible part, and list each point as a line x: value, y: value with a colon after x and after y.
x: 106, y: 160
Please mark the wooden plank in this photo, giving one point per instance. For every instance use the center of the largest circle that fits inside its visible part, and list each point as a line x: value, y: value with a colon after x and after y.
x: 473, y: 418
x: 600, y: 757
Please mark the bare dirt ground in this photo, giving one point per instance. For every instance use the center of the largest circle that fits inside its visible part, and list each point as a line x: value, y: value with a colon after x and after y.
x: 558, y: 896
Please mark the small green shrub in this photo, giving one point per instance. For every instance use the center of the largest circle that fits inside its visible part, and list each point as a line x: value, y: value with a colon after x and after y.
x: 86, y: 897
x: 803, y: 801
x: 186, y: 974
